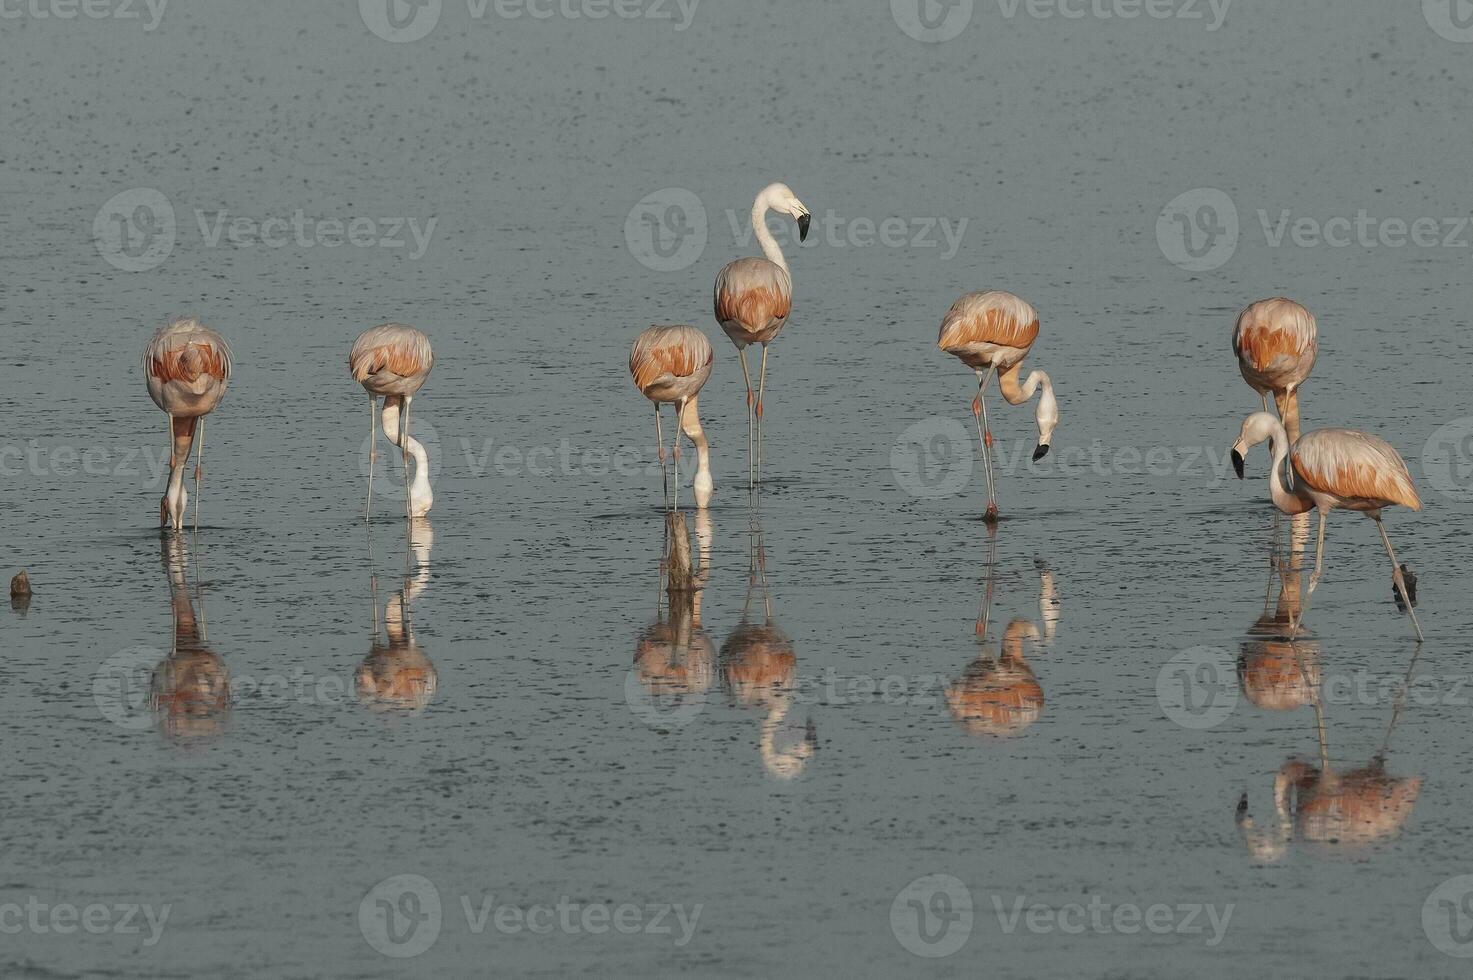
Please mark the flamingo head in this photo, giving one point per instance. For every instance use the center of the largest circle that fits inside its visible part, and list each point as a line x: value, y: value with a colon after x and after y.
x: 1256, y: 428
x: 780, y: 197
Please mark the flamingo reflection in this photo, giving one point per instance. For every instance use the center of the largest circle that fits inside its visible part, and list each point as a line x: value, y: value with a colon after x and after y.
x: 1000, y: 695
x: 1275, y: 673
x: 674, y: 657
x: 190, y: 689
x: 397, y: 676
x: 759, y: 669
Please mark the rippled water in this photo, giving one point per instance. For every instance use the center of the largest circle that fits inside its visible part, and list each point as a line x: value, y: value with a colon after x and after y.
x: 484, y: 705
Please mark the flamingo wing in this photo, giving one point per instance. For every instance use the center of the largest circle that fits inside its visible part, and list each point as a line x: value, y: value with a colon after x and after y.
x: 753, y: 299
x: 1354, y: 465
x: 993, y: 318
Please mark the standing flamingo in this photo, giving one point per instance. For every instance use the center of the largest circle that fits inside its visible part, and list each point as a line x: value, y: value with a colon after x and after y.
x: 394, y: 361
x: 753, y: 298
x: 671, y: 364
x: 994, y: 330
x: 1333, y: 468
x: 187, y: 367
x: 1276, y: 342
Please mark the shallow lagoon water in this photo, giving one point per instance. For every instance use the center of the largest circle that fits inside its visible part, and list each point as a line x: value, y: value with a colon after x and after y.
x: 535, y: 774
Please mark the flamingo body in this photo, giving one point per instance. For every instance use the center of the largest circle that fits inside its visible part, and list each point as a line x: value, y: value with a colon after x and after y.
x: 1352, y: 470
x: 753, y: 298
x: 391, y: 359
x: 989, y: 329
x: 671, y: 364
x: 187, y: 368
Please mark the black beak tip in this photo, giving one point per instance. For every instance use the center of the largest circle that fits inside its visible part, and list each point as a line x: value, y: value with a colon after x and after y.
x: 1238, y: 463
x: 803, y: 221
x: 1040, y: 452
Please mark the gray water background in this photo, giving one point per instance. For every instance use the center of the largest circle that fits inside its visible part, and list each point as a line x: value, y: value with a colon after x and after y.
x: 529, y: 777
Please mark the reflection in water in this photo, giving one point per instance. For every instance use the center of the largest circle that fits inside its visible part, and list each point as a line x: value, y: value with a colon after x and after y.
x: 759, y: 669
x: 397, y: 675
x: 190, y: 690
x: 674, y: 657
x: 1319, y: 805
x: 1000, y: 695
x: 1273, y: 672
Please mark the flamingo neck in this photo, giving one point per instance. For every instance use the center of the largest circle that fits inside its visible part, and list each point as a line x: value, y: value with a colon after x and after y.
x: 770, y: 248
x: 1284, y: 500
x: 420, y: 495
x: 1047, y: 413
x: 690, y: 424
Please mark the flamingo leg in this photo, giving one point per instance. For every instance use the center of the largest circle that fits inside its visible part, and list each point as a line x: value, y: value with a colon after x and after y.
x: 675, y: 454
x: 1314, y: 580
x: 165, y: 503
x: 372, y: 454
x: 1264, y: 396
x: 1396, y: 576
x: 984, y: 436
x: 660, y: 451
x: 751, y: 444
x: 199, y: 465
x: 761, y: 386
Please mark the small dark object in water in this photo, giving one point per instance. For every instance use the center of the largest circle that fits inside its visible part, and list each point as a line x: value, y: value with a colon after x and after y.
x: 20, y: 586
x: 1410, y: 578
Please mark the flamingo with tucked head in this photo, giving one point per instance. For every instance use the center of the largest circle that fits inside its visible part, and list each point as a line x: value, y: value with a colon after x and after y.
x: 671, y: 364
x: 1334, y: 469
x: 1276, y: 341
x: 187, y: 367
x: 753, y: 299
x: 393, y: 361
x: 991, y: 332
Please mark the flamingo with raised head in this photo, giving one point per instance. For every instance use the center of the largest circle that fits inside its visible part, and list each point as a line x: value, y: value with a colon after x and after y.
x: 187, y: 367
x: 1276, y: 341
x: 991, y: 332
x: 393, y: 361
x: 671, y: 364
x: 753, y: 299
x: 1334, y: 469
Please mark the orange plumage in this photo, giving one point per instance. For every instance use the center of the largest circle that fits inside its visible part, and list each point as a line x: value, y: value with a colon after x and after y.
x: 987, y: 328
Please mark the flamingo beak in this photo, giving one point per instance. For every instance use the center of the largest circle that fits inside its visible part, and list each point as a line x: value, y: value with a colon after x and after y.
x: 803, y: 221
x: 1040, y: 452
x: 1237, y: 462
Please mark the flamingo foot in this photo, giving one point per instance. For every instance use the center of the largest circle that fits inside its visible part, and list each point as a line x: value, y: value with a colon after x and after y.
x: 991, y: 515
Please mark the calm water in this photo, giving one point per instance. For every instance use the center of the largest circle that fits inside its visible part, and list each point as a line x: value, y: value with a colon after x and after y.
x: 762, y: 812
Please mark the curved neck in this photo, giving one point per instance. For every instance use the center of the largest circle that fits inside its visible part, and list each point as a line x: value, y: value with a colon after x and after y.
x: 760, y: 207
x: 420, y: 494
x: 1007, y: 381
x: 1284, y: 500
x: 690, y: 424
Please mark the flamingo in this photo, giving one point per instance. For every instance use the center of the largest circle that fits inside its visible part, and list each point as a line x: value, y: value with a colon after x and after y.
x: 671, y: 364
x: 394, y: 360
x: 994, y: 330
x: 1333, y: 469
x: 753, y: 298
x: 187, y: 368
x: 1276, y: 342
